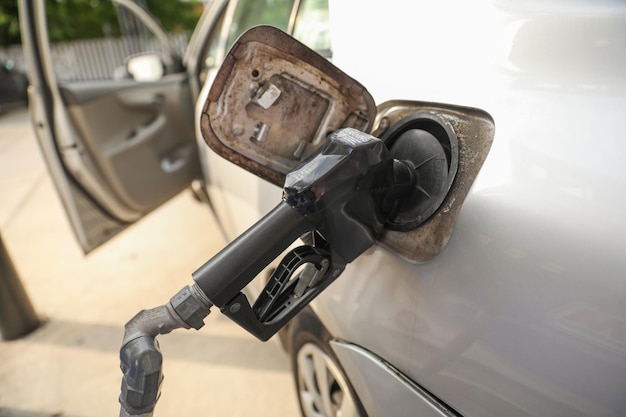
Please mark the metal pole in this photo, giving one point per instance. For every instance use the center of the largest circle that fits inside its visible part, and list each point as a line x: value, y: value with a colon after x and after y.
x: 17, y: 316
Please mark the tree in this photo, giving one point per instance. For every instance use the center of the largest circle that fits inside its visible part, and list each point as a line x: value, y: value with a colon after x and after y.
x: 81, y: 19
x: 9, y: 23
x: 176, y: 16
x: 84, y: 19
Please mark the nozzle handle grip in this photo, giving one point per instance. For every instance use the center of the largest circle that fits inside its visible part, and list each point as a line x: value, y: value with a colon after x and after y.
x: 227, y: 273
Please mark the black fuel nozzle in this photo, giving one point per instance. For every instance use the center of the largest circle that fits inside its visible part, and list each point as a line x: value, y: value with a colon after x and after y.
x: 343, y: 195
x: 348, y: 190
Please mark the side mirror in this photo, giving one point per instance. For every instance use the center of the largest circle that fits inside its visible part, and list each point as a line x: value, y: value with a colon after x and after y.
x: 145, y: 67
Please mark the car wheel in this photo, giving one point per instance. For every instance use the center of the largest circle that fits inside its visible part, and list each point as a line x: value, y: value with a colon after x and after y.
x: 322, y: 388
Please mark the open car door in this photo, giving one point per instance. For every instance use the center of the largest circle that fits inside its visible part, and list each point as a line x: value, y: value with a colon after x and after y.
x: 116, y: 147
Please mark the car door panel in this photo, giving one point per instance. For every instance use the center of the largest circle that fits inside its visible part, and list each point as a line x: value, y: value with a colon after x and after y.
x: 140, y: 137
x: 115, y: 148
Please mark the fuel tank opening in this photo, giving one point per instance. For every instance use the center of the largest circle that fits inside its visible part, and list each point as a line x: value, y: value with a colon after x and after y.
x: 429, y: 144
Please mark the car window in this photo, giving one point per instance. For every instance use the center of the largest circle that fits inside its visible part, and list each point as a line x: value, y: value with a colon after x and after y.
x: 212, y: 47
x: 247, y: 14
x: 251, y: 13
x: 312, y: 26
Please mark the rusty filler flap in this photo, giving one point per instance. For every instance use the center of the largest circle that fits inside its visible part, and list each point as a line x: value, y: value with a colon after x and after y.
x: 274, y: 101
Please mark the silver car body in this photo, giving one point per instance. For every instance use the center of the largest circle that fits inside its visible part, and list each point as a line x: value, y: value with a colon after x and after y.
x: 524, y: 313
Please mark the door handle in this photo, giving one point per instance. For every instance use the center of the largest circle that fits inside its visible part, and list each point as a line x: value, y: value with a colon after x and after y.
x: 176, y: 161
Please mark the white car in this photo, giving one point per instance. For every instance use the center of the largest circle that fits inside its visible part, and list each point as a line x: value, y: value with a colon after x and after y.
x: 523, y: 311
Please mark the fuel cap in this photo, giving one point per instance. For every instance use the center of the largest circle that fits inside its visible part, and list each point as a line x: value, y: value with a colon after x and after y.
x: 428, y: 144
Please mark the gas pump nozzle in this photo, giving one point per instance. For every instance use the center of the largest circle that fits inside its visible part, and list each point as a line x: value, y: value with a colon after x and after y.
x: 342, y: 196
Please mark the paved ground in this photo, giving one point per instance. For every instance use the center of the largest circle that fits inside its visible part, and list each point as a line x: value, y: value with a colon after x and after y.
x: 69, y: 367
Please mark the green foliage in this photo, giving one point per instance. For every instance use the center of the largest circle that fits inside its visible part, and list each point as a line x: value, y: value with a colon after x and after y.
x: 81, y: 19
x: 85, y: 19
x: 9, y: 23
x: 176, y: 16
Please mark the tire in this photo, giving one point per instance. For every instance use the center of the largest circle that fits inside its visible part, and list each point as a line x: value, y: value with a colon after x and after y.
x: 322, y: 388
